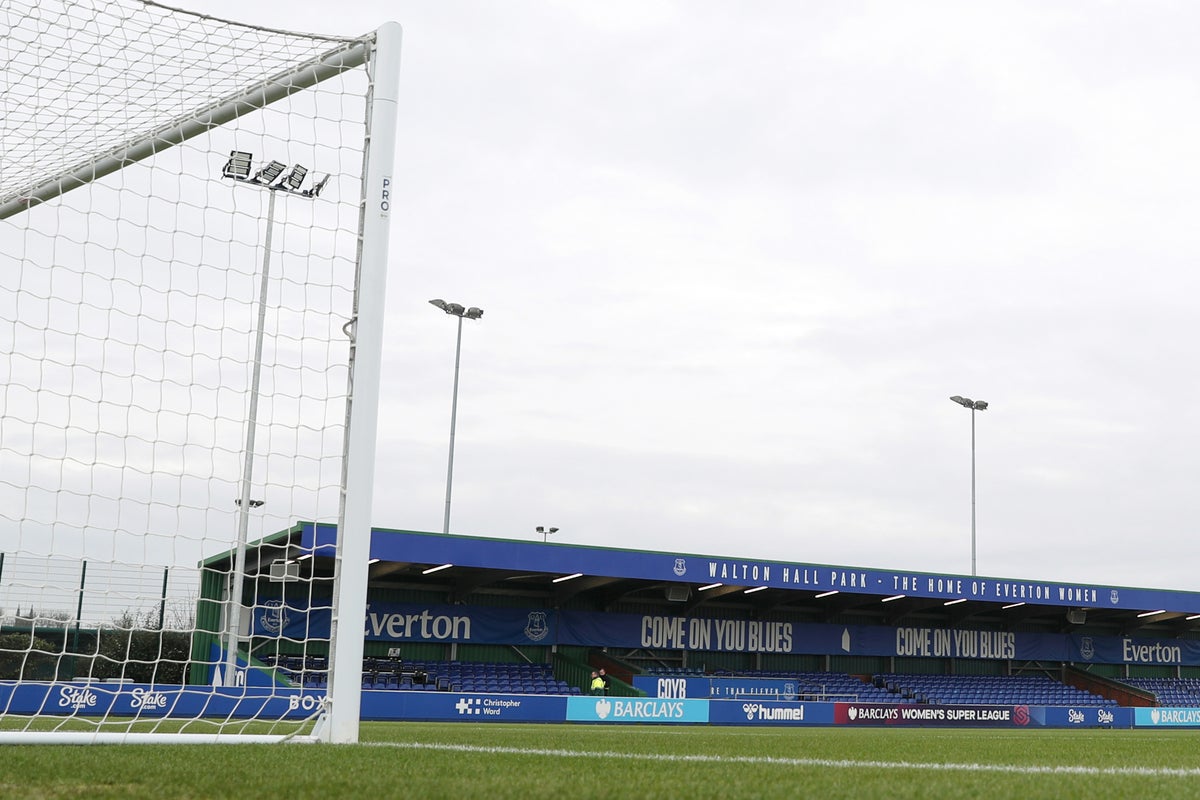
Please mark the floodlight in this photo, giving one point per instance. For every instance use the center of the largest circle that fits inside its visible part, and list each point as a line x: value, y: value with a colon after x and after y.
x: 270, y: 172
x: 296, y: 177
x: 438, y: 303
x: 552, y: 530
x: 238, y: 165
x: 455, y: 308
x: 252, y: 504
x: 473, y: 313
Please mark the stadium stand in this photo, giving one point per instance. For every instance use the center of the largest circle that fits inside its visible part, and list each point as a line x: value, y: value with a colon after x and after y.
x: 988, y: 690
x: 945, y: 689
x: 1170, y: 692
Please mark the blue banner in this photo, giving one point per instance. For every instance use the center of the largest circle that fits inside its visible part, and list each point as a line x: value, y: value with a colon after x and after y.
x: 460, y: 707
x: 1082, y: 716
x: 85, y: 698
x: 718, y: 688
x: 400, y: 622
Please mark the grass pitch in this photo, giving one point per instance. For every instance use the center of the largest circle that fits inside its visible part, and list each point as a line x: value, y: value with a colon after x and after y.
x: 497, y: 761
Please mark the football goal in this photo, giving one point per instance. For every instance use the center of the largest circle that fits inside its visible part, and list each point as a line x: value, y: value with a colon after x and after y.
x: 193, y: 249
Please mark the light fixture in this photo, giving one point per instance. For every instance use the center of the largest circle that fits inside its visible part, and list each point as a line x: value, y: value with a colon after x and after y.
x: 567, y: 577
x: 893, y: 597
x: 305, y: 557
x: 545, y: 532
x: 710, y: 586
x: 267, y: 175
x: 374, y: 560
x: 432, y: 570
x: 1151, y: 613
x: 755, y: 589
x: 237, y: 501
x: 238, y: 165
x: 826, y: 594
x: 295, y: 178
x: 1192, y: 617
x: 1011, y: 605
x: 955, y: 602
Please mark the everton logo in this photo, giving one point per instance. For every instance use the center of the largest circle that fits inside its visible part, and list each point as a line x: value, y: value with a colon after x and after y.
x: 1113, y: 597
x: 274, y: 616
x: 536, y: 626
x: 680, y: 567
x: 1087, y: 648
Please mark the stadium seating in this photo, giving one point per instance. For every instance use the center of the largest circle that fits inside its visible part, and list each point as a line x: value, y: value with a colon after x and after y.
x: 1170, y: 692
x: 988, y: 690
x: 455, y: 676
x: 384, y: 674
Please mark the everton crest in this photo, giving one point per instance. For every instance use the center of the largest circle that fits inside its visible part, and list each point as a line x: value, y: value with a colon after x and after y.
x: 536, y: 627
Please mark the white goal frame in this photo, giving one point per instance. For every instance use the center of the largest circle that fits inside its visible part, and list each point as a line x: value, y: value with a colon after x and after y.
x: 379, y: 53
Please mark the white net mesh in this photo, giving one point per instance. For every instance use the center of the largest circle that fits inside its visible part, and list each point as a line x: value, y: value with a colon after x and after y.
x: 130, y: 307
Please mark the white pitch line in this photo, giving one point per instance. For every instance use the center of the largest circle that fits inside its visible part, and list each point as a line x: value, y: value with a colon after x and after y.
x: 1014, y: 769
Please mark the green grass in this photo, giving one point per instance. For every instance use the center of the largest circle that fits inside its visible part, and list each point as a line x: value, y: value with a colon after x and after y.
x: 421, y: 761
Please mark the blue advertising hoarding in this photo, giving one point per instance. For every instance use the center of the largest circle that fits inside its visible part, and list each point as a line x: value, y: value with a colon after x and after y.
x: 89, y: 699
x: 85, y: 698
x: 463, y: 707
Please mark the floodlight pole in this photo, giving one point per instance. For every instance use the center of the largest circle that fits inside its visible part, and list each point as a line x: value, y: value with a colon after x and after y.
x: 243, y: 501
x: 455, y: 310
x: 973, y: 406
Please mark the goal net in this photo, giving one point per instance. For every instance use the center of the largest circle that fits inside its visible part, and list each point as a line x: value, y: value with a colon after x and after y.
x: 193, y: 245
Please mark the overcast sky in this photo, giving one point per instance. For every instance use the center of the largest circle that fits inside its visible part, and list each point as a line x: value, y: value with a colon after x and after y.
x: 736, y: 257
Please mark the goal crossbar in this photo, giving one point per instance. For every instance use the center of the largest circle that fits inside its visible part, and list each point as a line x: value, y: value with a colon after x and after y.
x: 347, y: 57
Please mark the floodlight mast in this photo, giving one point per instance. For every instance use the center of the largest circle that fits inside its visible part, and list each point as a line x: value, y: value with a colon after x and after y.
x: 973, y: 405
x: 238, y: 168
x: 454, y: 310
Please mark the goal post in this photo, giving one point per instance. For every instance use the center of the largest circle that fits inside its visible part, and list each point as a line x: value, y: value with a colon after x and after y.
x: 194, y: 219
